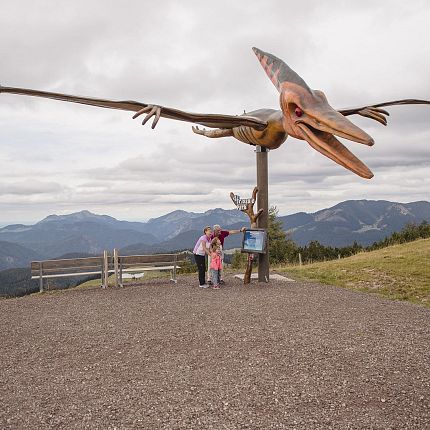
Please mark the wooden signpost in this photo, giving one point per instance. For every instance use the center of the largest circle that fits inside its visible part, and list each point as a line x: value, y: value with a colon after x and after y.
x: 247, y: 206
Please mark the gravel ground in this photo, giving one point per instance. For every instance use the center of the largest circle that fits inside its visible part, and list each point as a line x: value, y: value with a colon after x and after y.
x: 163, y: 356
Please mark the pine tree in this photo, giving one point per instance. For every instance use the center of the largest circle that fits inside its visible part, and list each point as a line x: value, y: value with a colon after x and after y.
x: 281, y: 248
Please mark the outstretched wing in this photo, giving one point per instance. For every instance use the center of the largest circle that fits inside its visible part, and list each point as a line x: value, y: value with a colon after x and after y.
x: 207, y: 120
x: 375, y: 112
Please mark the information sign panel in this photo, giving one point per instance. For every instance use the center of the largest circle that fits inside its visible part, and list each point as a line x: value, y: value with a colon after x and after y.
x: 254, y: 241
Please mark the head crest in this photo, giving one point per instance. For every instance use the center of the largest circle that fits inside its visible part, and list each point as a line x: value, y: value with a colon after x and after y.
x: 277, y: 71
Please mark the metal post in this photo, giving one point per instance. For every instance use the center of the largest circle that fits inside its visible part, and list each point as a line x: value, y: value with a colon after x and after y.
x: 263, y: 203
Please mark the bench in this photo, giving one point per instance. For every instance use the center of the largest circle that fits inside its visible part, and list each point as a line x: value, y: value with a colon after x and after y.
x: 105, y: 265
x: 144, y: 263
x: 65, y: 268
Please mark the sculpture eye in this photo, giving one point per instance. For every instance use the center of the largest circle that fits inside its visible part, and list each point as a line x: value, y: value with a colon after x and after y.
x: 298, y: 112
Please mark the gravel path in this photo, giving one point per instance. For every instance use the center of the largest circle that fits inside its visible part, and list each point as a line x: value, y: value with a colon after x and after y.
x: 163, y: 356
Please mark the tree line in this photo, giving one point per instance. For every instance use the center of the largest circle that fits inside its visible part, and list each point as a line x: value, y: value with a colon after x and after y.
x: 284, y: 250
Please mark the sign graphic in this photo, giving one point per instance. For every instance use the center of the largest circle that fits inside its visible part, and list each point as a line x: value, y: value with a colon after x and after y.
x: 254, y: 241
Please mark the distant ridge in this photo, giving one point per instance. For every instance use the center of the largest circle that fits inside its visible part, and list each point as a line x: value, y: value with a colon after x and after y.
x: 363, y: 221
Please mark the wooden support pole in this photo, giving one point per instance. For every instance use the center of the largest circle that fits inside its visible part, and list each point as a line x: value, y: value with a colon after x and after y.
x: 263, y: 203
x: 102, y: 273
x: 248, y: 271
x: 41, y: 277
x: 115, y: 265
x: 175, y: 262
x: 105, y: 269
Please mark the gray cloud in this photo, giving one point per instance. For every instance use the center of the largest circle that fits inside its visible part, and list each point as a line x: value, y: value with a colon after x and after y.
x: 30, y: 188
x: 58, y: 157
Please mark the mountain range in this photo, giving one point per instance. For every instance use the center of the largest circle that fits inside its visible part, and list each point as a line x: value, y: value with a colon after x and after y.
x: 363, y: 221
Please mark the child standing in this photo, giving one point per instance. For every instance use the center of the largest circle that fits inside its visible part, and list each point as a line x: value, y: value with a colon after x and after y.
x: 216, y: 262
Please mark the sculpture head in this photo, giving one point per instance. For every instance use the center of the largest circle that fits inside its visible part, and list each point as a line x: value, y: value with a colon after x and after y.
x: 308, y: 116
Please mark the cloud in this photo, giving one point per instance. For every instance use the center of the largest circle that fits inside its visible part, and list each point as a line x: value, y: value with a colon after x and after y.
x: 194, y: 56
x: 30, y: 188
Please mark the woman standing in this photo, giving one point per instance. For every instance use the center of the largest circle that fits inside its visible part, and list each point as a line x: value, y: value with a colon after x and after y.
x: 200, y: 250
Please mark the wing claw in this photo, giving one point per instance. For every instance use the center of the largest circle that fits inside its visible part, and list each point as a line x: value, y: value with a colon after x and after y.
x: 215, y: 133
x: 141, y: 111
x: 197, y: 130
x: 151, y: 111
x: 149, y: 115
x: 156, y: 117
x: 375, y: 112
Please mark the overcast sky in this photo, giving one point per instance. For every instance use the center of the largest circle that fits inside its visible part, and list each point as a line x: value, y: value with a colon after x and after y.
x: 58, y: 157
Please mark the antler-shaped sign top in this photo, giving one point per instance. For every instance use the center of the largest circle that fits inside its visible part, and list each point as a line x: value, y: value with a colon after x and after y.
x: 247, y: 206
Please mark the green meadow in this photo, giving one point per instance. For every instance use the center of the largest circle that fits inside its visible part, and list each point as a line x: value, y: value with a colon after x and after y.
x: 398, y: 272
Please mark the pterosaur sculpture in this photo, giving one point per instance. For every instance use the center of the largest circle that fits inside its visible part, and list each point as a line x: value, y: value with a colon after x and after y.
x: 305, y: 114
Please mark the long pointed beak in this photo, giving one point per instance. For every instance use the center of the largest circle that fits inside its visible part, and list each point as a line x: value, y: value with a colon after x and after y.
x: 319, y: 128
x: 328, y: 145
x: 333, y: 122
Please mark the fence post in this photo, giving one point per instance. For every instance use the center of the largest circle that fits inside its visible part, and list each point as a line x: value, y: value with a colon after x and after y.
x: 102, y: 276
x: 105, y: 269
x: 174, y: 268
x: 338, y: 256
x: 300, y: 259
x: 41, y: 276
x: 115, y: 265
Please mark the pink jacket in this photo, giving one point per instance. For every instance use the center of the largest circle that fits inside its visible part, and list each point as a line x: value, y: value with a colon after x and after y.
x: 215, y: 261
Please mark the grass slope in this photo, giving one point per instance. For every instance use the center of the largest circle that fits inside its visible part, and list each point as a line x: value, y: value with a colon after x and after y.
x: 399, y: 272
